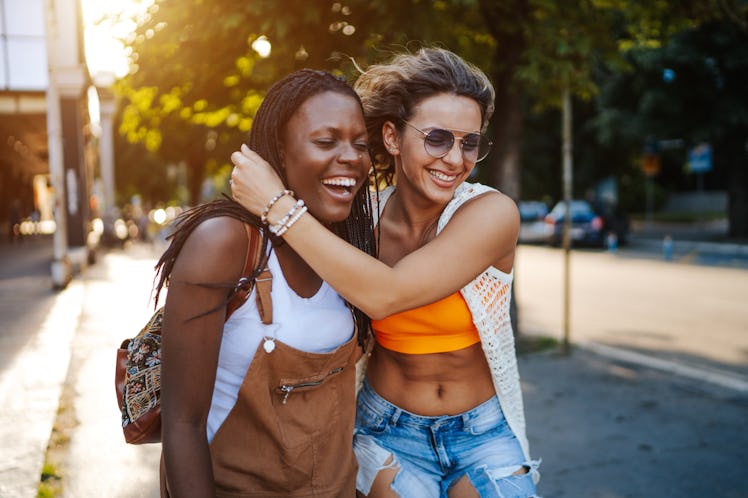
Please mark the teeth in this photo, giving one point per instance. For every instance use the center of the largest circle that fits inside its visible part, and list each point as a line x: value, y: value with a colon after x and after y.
x: 441, y: 176
x: 340, y: 181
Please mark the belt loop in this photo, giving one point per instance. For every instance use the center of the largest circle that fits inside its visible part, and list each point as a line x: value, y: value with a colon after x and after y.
x: 395, y: 415
x: 466, y: 420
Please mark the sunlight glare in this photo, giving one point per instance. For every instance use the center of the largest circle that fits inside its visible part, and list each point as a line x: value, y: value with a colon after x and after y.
x: 262, y: 46
x: 107, y: 22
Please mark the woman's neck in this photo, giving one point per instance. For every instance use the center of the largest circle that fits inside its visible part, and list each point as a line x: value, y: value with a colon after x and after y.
x: 416, y: 216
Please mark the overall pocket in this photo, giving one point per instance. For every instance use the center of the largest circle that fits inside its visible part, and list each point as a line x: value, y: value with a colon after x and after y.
x: 307, y: 407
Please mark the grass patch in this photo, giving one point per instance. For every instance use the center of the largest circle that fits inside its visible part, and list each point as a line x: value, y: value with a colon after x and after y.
x: 535, y: 343
x: 52, y: 480
x: 46, y: 491
x: 50, y: 485
x: 49, y: 471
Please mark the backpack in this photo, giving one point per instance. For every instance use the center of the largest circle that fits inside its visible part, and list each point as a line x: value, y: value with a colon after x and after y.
x: 138, y: 368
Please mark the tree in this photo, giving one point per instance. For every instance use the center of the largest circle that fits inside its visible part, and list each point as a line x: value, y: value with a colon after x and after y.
x: 692, y: 89
x: 196, y: 81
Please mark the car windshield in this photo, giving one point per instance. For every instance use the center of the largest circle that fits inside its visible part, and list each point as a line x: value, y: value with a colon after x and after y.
x: 578, y: 208
x: 532, y: 210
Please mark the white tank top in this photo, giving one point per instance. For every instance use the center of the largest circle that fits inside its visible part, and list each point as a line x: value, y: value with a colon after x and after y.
x: 318, y: 324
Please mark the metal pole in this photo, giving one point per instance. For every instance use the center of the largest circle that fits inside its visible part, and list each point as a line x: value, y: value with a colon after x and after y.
x: 567, y: 179
x: 649, y: 191
x: 107, y: 108
x: 60, y: 267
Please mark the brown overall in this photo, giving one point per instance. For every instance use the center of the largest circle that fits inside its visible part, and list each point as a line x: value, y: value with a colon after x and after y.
x: 291, y: 430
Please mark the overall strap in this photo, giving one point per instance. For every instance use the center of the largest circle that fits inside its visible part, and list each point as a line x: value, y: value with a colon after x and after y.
x: 263, y: 282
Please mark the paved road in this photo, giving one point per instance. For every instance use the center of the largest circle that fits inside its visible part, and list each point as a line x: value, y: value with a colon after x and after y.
x: 693, y: 315
x: 608, y: 429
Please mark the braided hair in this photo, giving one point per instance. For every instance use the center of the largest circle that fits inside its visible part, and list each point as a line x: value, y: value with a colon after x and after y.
x: 282, y: 100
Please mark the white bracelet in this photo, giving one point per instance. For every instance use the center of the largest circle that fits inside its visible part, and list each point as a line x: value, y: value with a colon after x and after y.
x: 293, y: 220
x: 278, y: 228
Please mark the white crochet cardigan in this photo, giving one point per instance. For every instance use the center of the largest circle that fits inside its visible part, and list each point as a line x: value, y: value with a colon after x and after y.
x: 488, y: 297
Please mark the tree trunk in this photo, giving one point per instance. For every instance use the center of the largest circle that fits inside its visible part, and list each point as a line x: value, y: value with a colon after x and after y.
x: 737, y: 190
x: 195, y: 177
x: 507, y: 156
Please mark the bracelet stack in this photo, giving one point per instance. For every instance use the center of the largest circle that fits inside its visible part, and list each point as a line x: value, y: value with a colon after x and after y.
x: 289, y: 219
x: 271, y: 203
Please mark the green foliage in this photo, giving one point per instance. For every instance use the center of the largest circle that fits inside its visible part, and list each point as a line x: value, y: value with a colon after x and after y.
x: 197, y: 82
x: 704, y: 101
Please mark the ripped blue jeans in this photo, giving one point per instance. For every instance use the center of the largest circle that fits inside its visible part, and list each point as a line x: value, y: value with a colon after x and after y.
x: 433, y: 453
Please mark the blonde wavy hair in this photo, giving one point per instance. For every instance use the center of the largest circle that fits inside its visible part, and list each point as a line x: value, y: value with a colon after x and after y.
x: 389, y: 92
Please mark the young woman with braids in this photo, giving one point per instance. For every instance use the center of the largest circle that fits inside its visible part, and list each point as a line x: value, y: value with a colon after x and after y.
x: 440, y: 413
x: 254, y: 409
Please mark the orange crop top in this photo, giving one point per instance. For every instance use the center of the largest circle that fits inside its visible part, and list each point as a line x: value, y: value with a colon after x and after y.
x: 446, y: 325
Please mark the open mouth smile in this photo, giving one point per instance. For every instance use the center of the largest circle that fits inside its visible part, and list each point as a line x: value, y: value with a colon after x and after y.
x: 340, y: 184
x: 442, y: 176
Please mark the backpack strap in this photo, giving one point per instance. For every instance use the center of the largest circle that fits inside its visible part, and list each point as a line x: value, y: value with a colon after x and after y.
x: 264, y: 281
x: 264, y: 284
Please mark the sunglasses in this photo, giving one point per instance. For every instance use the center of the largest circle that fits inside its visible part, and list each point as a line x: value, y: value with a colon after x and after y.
x: 438, y: 142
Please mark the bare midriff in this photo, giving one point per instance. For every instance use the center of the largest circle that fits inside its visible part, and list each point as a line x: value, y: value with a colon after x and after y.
x: 433, y: 384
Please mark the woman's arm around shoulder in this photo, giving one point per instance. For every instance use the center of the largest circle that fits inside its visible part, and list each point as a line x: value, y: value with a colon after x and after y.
x: 495, y: 215
x: 214, y: 253
x: 483, y: 232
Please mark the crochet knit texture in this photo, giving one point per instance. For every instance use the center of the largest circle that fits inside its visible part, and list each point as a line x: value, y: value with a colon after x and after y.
x: 488, y: 296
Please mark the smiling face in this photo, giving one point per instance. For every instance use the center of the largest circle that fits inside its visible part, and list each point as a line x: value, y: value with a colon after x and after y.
x: 325, y: 154
x: 434, y: 178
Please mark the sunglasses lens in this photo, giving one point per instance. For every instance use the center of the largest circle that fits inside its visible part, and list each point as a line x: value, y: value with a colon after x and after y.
x: 475, y: 147
x: 439, y: 142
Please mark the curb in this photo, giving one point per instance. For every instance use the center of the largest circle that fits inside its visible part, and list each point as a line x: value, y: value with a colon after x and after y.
x: 721, y: 378
x: 686, y: 246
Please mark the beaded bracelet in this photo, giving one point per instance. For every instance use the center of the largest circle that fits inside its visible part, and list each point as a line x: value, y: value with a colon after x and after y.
x: 264, y: 217
x: 293, y: 220
x: 282, y: 225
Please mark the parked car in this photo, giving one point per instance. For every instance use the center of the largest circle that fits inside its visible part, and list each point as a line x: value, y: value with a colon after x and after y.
x: 588, y: 225
x: 532, y: 228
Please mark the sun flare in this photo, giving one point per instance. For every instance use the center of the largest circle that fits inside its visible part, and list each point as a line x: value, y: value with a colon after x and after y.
x: 106, y: 22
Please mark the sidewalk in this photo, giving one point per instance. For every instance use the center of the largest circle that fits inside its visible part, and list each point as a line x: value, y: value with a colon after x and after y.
x: 115, y: 306
x: 79, y: 331
x: 603, y: 428
x: 706, y: 238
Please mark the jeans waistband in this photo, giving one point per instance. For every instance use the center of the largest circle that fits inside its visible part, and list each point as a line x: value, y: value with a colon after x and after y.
x: 395, y: 415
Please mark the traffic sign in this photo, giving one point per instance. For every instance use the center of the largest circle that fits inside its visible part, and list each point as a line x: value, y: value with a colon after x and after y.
x: 651, y: 164
x: 700, y: 159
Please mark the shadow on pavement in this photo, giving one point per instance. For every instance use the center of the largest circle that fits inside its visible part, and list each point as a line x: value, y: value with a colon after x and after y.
x: 609, y: 429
